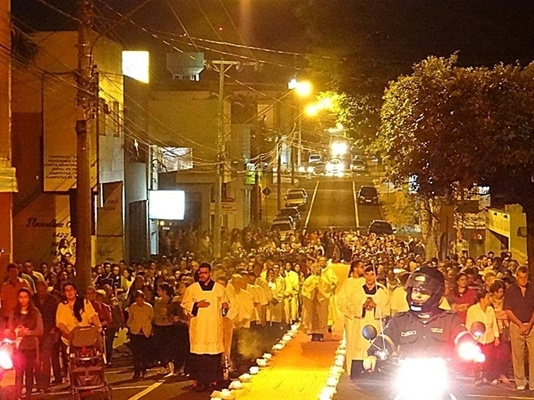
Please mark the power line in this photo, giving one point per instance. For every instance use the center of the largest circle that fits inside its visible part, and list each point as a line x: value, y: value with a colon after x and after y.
x: 181, y: 24
x: 209, y: 22
x: 237, y: 30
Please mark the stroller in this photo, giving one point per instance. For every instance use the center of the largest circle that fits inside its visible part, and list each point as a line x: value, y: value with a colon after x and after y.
x: 86, y: 364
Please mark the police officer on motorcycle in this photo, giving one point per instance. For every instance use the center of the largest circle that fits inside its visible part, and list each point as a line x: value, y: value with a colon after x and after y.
x: 425, y: 330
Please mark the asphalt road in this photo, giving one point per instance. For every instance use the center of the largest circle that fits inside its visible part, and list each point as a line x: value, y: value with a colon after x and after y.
x: 332, y: 203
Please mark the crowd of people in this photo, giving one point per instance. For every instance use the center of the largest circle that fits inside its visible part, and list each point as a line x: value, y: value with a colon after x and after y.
x: 171, y: 304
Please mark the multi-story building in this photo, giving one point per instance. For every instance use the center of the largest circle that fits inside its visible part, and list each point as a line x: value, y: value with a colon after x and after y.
x: 44, y: 149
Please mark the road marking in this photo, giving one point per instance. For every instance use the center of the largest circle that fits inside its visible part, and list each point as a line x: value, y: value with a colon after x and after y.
x: 151, y: 388
x: 355, y: 196
x: 311, y: 206
x: 115, y: 388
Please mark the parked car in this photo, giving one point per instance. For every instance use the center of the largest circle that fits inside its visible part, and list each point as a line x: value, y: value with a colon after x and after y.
x: 380, y: 227
x: 285, y: 228
x: 314, y: 158
x: 298, y: 190
x: 358, y: 165
x: 295, y: 199
x: 292, y: 212
x: 367, y: 195
x: 286, y: 219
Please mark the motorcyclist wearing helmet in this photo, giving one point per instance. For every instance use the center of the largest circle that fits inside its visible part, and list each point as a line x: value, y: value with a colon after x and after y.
x: 425, y: 330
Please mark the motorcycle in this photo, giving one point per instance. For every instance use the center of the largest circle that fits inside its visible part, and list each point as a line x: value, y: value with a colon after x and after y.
x: 423, y: 378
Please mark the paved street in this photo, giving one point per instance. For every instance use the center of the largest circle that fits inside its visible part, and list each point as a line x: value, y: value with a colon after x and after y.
x: 332, y: 203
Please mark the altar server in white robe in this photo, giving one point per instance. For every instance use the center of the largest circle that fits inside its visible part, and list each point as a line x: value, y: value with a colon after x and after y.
x: 366, y: 304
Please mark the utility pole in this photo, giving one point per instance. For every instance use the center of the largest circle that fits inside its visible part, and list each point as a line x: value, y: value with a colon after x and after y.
x: 221, y: 66
x: 279, y: 171
x: 84, y: 124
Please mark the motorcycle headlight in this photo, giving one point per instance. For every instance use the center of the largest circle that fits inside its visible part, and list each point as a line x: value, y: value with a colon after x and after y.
x: 5, y: 359
x: 417, y: 378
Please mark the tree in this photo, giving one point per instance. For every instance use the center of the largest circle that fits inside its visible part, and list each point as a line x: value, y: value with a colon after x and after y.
x: 359, y: 46
x: 447, y: 127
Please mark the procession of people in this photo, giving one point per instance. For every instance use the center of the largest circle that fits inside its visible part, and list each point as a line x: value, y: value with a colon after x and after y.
x: 205, y: 318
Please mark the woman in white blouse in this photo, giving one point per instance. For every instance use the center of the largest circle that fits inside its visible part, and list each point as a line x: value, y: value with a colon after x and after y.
x: 482, y: 311
x: 74, y: 312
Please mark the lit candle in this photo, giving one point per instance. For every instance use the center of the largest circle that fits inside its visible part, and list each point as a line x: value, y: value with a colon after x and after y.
x: 339, y: 363
x: 286, y: 337
x: 254, y: 370
x: 331, y: 381
x: 327, y: 393
x: 245, y: 378
x: 236, y: 385
x: 261, y: 362
x: 336, y: 370
x: 267, y: 356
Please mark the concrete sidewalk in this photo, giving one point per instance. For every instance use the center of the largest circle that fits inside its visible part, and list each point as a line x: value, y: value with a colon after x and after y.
x: 297, y: 372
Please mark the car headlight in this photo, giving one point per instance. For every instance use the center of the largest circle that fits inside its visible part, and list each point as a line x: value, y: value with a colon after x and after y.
x: 310, y: 170
x: 301, y: 169
x: 329, y: 167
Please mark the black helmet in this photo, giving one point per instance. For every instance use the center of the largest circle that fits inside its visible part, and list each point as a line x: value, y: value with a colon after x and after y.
x: 430, y: 281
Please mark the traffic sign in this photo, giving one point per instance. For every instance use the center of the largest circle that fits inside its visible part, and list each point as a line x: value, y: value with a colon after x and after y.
x: 266, y: 191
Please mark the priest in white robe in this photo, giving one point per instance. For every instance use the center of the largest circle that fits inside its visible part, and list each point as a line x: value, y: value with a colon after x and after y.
x: 206, y: 302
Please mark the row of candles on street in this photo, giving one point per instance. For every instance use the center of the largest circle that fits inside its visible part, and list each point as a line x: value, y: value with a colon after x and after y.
x: 229, y: 394
x: 329, y: 390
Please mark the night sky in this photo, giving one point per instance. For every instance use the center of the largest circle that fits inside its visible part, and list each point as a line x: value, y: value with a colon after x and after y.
x: 482, y: 31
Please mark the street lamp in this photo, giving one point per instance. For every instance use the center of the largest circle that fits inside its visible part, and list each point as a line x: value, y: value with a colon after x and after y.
x: 312, y: 109
x: 301, y: 88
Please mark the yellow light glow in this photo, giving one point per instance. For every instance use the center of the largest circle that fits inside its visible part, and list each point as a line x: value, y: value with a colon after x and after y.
x: 326, y: 103
x: 340, y: 126
x: 135, y: 64
x: 339, y: 148
x: 301, y: 88
x: 312, y: 109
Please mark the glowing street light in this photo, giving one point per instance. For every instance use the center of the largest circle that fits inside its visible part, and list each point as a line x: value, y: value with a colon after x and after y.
x: 339, y: 148
x: 312, y: 109
x: 301, y: 88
